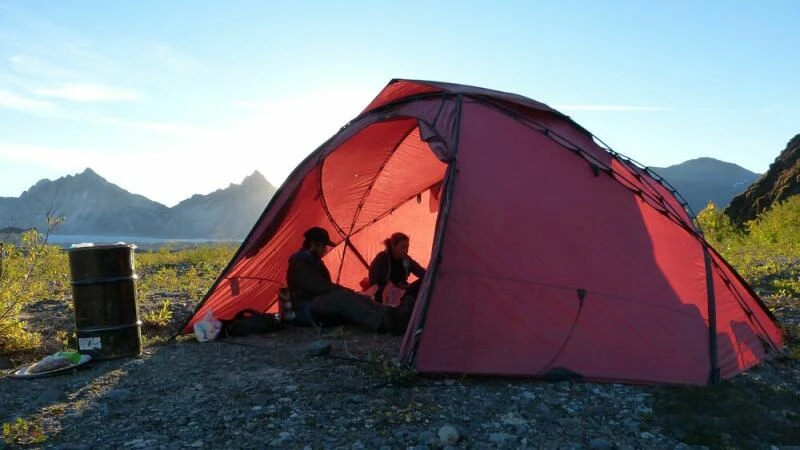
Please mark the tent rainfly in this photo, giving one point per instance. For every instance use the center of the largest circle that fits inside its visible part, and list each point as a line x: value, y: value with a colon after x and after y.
x: 548, y: 254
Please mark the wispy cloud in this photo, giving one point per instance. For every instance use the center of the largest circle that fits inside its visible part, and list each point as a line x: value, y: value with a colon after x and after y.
x: 166, y: 128
x: 252, y: 105
x: 11, y: 100
x: 49, y: 60
x: 715, y: 109
x: 32, y: 66
x: 89, y: 93
x: 173, y: 60
x: 42, y: 108
x: 613, y: 108
x: 60, y: 158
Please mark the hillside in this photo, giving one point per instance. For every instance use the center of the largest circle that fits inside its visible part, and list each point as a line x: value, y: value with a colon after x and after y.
x: 781, y: 181
x: 704, y: 180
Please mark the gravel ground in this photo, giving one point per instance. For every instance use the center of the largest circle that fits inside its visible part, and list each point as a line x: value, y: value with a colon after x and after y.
x: 268, y: 391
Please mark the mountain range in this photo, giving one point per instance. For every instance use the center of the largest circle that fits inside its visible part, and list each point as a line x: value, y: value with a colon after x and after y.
x: 91, y: 205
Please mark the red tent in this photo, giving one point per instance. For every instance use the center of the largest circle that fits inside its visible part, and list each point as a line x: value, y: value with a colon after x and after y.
x: 548, y: 254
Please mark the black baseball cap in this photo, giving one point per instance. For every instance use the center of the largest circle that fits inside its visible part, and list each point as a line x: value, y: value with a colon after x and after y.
x: 320, y: 235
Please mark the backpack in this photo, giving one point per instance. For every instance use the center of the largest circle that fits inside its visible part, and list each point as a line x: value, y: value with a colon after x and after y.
x: 250, y: 321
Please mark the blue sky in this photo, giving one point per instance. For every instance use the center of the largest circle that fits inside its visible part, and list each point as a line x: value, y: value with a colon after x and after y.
x: 172, y: 98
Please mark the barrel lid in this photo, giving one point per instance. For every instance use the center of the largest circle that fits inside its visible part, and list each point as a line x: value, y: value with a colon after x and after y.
x: 93, y: 246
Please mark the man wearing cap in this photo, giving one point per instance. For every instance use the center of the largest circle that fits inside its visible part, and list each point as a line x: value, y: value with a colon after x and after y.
x: 315, y: 297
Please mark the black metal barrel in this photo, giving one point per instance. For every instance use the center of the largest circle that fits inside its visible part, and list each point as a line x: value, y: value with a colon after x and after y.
x: 107, y: 321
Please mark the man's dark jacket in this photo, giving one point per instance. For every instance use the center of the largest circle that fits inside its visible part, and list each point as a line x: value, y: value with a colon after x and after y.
x: 308, y: 277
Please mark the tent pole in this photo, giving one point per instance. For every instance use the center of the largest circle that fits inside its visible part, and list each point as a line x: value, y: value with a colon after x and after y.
x: 714, y: 375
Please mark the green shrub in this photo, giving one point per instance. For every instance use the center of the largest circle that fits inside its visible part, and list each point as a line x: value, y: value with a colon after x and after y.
x: 159, y: 317
x: 766, y: 252
x: 718, y: 229
x: 28, y: 272
x: 23, y: 431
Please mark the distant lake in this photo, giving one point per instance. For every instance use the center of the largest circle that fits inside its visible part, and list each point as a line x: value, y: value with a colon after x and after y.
x: 66, y: 240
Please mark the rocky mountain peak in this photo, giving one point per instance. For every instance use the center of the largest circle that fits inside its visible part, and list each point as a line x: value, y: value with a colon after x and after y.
x: 91, y: 204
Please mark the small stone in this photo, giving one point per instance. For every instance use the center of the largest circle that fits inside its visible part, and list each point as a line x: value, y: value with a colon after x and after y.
x: 92, y: 406
x: 427, y: 436
x: 448, y: 434
x: 285, y: 436
x: 118, y: 395
x: 647, y: 435
x: 257, y: 408
x: 574, y: 432
x: 134, y: 362
x: 51, y: 395
x: 599, y: 444
x: 196, y: 444
x: 319, y: 348
x: 632, y: 426
x: 357, y: 398
x: 499, y: 438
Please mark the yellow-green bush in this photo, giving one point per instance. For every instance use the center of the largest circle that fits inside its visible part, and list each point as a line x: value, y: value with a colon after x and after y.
x: 159, y: 317
x: 718, y: 229
x: 28, y: 272
x: 767, y: 251
x: 189, y: 271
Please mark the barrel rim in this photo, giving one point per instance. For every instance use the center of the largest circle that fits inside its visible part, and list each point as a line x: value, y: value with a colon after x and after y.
x: 102, y: 247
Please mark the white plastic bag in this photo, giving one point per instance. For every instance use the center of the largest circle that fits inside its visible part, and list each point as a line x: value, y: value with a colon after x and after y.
x: 208, y: 328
